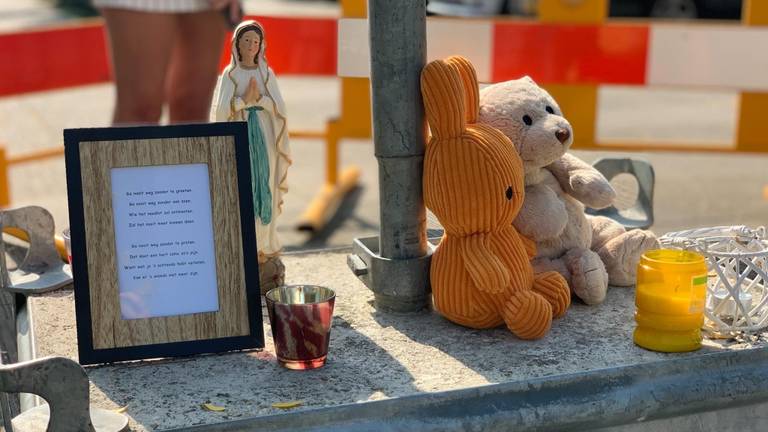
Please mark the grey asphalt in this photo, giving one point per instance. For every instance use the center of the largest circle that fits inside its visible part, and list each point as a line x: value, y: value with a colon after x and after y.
x: 693, y: 189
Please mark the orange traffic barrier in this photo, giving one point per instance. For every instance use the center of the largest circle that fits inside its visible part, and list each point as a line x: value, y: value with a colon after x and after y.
x: 354, y: 122
x: 572, y: 49
x: 22, y: 235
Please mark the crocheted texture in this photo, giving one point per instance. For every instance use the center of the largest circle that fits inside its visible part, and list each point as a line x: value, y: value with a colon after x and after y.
x: 473, y: 182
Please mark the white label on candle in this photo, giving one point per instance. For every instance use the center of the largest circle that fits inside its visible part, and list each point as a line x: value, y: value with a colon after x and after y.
x: 164, y: 240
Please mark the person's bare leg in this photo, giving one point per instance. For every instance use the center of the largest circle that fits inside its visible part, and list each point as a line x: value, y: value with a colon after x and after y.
x: 194, y: 66
x: 141, y: 46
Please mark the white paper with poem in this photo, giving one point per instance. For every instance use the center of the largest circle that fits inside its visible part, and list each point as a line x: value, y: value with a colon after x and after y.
x: 164, y: 240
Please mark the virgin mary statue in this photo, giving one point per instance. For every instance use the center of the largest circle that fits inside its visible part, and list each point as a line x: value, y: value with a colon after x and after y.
x: 247, y: 91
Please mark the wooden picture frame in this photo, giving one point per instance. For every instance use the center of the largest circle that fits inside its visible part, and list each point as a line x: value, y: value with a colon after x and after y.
x: 164, y: 251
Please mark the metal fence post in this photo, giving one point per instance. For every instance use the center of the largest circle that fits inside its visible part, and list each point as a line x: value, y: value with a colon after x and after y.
x: 398, y: 54
x: 398, y: 273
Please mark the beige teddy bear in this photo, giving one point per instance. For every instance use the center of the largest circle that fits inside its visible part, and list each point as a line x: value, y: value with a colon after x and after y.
x: 481, y: 272
x: 591, y: 252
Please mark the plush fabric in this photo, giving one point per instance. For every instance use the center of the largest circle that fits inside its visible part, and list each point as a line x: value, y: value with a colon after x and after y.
x: 590, y: 252
x: 481, y: 273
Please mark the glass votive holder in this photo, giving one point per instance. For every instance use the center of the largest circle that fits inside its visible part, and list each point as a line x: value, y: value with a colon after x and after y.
x: 301, y: 317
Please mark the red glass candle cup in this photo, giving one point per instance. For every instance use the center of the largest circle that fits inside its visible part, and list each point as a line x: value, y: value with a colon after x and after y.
x: 301, y: 317
x: 68, y: 244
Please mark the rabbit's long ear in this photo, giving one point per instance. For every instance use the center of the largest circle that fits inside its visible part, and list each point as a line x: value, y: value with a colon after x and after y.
x: 469, y: 82
x: 443, y: 95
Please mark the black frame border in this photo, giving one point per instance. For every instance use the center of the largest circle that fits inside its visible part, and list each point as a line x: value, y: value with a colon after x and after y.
x: 87, y: 354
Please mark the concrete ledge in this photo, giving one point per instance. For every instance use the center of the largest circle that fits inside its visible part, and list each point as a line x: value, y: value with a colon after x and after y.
x: 425, y: 372
x: 584, y: 401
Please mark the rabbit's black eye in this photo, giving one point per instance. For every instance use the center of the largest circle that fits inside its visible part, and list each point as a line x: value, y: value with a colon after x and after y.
x: 509, y: 193
x: 550, y: 110
x: 527, y: 120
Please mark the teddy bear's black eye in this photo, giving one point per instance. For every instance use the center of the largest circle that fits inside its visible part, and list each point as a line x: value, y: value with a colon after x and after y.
x: 509, y: 193
x: 550, y: 110
x: 527, y: 120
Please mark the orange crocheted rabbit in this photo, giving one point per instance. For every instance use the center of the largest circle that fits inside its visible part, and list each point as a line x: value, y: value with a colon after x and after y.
x: 473, y: 182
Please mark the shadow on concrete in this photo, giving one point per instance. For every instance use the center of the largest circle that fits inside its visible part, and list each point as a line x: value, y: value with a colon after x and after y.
x: 486, y: 352
x: 586, y: 338
x: 166, y: 393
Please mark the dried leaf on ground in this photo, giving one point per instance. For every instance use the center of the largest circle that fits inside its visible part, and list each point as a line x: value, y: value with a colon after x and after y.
x: 287, y: 405
x: 212, y: 407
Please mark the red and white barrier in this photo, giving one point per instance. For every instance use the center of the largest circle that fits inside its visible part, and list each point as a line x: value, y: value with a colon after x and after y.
x: 711, y: 55
x: 76, y: 54
x: 707, y: 55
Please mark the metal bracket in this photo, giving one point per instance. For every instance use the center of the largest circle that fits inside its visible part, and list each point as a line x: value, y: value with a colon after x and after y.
x: 42, y: 269
x: 409, y: 292
x: 640, y: 215
x: 64, y: 384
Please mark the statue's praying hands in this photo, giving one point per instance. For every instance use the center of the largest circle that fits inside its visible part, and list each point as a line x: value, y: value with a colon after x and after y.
x: 252, y: 93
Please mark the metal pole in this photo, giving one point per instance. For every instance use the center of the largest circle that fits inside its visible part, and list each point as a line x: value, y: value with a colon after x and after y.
x: 398, y: 54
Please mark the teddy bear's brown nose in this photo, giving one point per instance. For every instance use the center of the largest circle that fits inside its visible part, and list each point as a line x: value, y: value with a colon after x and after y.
x: 562, y: 135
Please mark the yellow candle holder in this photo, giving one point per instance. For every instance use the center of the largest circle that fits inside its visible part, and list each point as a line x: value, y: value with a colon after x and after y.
x: 737, y: 288
x: 670, y: 297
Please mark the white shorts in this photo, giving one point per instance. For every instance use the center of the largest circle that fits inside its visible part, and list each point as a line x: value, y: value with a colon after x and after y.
x: 160, y: 6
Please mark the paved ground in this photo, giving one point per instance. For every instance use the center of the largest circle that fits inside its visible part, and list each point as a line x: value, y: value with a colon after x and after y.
x: 692, y: 189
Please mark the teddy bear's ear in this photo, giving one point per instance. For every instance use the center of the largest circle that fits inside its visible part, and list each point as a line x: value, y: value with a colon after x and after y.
x: 529, y: 80
x: 443, y: 95
x: 471, y: 88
